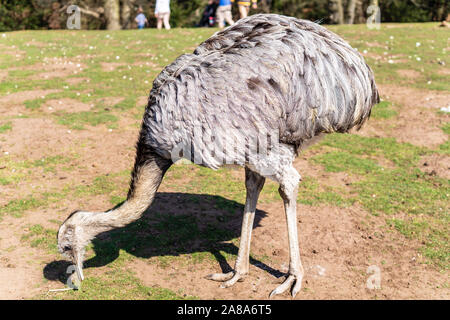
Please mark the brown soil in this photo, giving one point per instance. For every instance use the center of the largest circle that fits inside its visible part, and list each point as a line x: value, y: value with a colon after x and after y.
x: 111, y: 66
x: 3, y: 75
x: 337, y: 247
x: 410, y: 74
x: 66, y: 104
x: 110, y: 101
x: 54, y: 68
x: 337, y: 244
x: 436, y: 165
x: 444, y: 72
x: 417, y: 122
x: 74, y: 81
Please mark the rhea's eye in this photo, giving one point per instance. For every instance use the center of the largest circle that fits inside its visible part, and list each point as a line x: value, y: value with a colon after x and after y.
x: 67, y: 248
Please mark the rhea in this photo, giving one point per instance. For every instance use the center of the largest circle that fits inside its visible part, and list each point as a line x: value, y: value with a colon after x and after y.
x: 253, y: 94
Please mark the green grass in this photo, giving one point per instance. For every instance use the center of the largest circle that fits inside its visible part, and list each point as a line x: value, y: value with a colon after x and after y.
x: 40, y: 237
x: 338, y: 161
x: 398, y: 188
x: 17, y: 207
x: 5, y: 127
x: 14, y: 172
x: 34, y: 104
x: 397, y: 42
x: 78, y: 120
x: 446, y: 128
x: 311, y: 193
x: 383, y: 110
x: 116, y: 284
x: 387, y: 183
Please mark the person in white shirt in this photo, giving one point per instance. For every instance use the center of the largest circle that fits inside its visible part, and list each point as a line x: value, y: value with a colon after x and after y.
x: 162, y: 13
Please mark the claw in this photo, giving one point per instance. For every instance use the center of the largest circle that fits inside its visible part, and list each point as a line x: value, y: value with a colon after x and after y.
x: 220, y: 276
x: 291, y: 279
x: 237, y: 277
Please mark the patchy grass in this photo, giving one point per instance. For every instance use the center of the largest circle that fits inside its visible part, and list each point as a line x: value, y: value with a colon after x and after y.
x: 39, y: 237
x: 338, y: 161
x: 401, y: 154
x: 388, y: 184
x: 78, y: 120
x: 446, y: 128
x: 34, y: 104
x: 390, y: 190
x: 383, y: 110
x: 5, y: 127
x: 116, y: 284
x: 420, y: 47
x: 17, y: 207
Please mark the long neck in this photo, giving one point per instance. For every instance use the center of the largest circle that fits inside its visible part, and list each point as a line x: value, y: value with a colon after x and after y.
x: 147, y: 175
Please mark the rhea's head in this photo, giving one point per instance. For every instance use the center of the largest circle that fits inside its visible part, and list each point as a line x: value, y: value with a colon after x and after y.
x: 73, y: 238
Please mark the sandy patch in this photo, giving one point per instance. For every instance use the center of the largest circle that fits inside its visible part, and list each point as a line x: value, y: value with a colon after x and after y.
x: 375, y: 44
x: 410, y: 74
x: 66, y: 104
x: 110, y: 101
x: 444, y: 72
x: 74, y: 81
x: 3, y: 75
x: 54, y: 68
x: 436, y: 164
x: 37, y: 44
x: 111, y: 66
x: 417, y: 121
x: 142, y: 101
x: 22, y: 96
x: 337, y: 246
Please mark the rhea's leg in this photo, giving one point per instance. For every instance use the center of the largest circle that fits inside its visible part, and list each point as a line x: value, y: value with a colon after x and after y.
x: 288, y: 191
x: 254, y: 183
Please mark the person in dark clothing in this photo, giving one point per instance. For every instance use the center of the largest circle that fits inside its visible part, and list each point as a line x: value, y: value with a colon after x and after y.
x: 209, y: 14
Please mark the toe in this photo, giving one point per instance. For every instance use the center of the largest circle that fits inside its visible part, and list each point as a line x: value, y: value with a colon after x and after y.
x: 297, y: 286
x: 220, y: 276
x: 283, y: 287
x: 232, y: 281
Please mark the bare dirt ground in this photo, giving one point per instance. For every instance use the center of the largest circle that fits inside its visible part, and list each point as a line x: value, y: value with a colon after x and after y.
x: 337, y: 244
x: 69, y: 120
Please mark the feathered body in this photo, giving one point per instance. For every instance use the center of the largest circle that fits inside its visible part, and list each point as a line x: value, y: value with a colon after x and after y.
x: 252, y: 94
x: 267, y: 74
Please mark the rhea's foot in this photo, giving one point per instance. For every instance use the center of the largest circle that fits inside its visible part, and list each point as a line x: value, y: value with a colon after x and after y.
x: 293, y: 280
x: 228, y: 279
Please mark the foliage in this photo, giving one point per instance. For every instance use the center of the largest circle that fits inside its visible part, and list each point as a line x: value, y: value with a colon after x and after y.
x: 19, y: 15
x: 38, y: 14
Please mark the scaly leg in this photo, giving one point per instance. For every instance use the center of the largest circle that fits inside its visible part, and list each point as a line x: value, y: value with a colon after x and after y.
x: 254, y: 183
x: 288, y: 191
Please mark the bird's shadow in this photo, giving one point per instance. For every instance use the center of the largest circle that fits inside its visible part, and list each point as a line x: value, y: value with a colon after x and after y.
x: 175, y: 224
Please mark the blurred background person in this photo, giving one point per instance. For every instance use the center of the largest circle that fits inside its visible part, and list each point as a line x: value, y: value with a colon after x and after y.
x: 223, y: 13
x: 209, y: 14
x: 244, y: 7
x: 140, y: 19
x: 162, y: 13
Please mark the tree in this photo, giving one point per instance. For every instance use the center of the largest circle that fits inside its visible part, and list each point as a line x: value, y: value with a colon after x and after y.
x: 112, y: 14
x: 351, y: 7
x: 125, y: 14
x: 337, y: 11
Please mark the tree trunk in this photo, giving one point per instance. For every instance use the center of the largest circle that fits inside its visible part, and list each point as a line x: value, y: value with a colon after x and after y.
x: 125, y: 14
x: 351, y: 11
x: 112, y: 14
x: 337, y: 10
x: 359, y: 12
